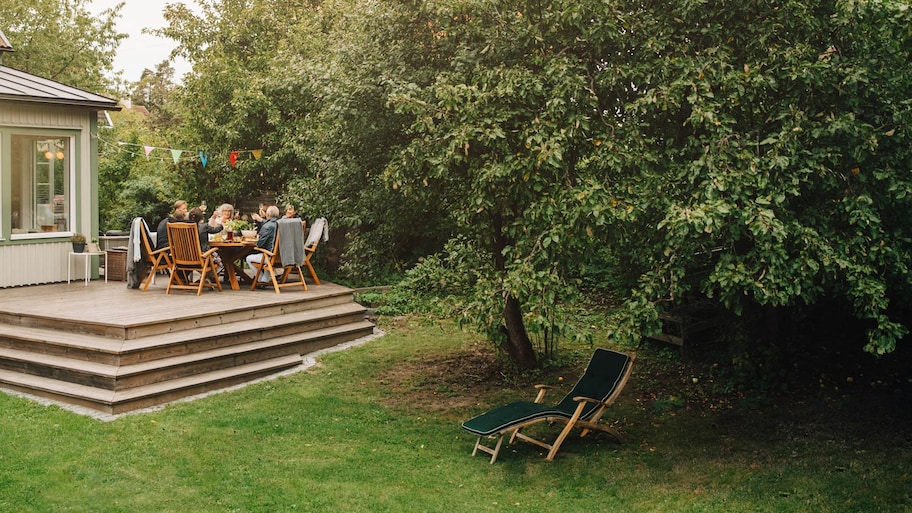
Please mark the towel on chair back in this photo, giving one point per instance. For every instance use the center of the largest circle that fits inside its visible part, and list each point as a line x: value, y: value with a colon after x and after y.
x: 291, y: 241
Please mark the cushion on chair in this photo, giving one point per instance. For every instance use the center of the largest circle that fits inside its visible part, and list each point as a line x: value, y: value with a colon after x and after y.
x: 498, y: 419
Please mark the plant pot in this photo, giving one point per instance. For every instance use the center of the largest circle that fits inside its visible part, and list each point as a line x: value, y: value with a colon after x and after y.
x: 78, y: 247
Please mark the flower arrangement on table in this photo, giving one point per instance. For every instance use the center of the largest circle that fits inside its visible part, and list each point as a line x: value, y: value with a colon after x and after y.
x: 237, y: 225
x: 241, y: 227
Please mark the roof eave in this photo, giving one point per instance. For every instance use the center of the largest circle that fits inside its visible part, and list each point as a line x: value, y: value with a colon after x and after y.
x: 62, y: 102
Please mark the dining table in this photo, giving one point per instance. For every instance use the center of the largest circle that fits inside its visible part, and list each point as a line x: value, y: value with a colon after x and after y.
x: 233, y: 254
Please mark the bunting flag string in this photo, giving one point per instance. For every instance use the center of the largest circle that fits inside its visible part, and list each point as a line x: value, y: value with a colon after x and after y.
x: 176, y: 155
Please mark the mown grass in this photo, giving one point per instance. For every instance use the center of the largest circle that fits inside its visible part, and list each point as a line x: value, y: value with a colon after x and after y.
x: 346, y: 436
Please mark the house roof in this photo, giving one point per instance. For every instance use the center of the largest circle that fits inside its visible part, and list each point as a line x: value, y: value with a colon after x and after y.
x: 19, y: 86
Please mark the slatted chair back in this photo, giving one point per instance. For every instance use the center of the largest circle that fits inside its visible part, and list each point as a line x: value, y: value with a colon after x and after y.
x: 188, y: 257
x: 158, y: 260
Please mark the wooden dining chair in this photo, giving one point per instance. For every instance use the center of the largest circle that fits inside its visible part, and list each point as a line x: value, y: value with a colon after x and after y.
x: 290, y: 239
x: 317, y: 232
x: 188, y: 257
x: 157, y: 259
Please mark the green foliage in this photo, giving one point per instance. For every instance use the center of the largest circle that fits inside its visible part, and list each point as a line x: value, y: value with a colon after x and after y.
x: 62, y: 41
x: 360, y: 54
x: 754, y: 154
x: 775, y: 139
x: 129, y: 185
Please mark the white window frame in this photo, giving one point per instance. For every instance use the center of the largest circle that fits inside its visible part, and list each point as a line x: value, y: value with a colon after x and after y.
x: 70, y: 174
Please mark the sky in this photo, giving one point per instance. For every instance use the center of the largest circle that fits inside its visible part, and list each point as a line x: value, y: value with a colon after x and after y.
x: 142, y: 51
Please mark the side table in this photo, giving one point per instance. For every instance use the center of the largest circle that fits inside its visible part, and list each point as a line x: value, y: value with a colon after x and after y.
x: 87, y: 257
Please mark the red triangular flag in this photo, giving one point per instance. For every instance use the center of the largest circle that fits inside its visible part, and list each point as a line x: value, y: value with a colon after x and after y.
x: 232, y: 157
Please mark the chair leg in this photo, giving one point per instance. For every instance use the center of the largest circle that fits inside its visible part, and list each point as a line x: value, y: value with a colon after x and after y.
x: 170, y: 281
x: 493, y: 452
x: 150, y: 278
x: 313, y: 274
x: 566, y: 431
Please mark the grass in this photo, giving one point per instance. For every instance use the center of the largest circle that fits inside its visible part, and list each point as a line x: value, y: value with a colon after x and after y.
x: 376, y: 429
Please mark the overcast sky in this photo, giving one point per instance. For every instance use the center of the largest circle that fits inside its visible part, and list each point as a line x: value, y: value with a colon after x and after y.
x: 141, y: 51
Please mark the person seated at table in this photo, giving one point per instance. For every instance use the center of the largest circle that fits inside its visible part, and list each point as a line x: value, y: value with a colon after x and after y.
x: 259, y: 217
x: 221, y: 216
x: 226, y: 213
x: 265, y: 241
x: 179, y: 215
x: 290, y: 212
x: 197, y: 216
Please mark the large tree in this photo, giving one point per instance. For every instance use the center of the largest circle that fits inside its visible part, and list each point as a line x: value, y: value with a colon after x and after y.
x: 751, y: 152
x: 507, y: 135
x: 61, y: 40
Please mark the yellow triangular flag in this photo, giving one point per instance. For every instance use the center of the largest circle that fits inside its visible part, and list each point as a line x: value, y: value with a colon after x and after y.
x: 257, y: 154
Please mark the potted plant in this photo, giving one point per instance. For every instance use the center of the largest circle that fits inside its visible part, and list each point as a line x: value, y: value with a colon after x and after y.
x: 79, y: 242
x: 93, y: 247
x: 237, y: 226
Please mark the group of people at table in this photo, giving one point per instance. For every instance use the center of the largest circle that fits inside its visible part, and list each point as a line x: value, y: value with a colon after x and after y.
x: 218, y: 226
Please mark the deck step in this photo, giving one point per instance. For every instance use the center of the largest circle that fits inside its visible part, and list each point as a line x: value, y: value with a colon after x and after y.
x: 98, y: 372
x: 66, y: 339
x: 134, y: 350
x: 110, y: 401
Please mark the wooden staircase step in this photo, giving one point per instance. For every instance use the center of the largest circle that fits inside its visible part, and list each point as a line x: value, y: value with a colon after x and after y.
x: 49, y: 338
x: 104, y: 375
x: 110, y: 401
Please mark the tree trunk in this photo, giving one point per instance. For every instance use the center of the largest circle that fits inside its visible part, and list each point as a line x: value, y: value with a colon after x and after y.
x: 517, y: 345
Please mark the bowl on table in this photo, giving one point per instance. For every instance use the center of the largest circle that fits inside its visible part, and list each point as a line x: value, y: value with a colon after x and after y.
x: 249, y: 234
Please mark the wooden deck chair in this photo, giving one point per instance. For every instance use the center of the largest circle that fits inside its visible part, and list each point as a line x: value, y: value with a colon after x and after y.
x: 158, y: 260
x: 317, y: 232
x: 287, y: 255
x: 187, y: 257
x: 604, y: 379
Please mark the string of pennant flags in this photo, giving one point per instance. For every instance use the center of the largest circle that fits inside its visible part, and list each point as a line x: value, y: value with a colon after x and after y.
x: 178, y: 154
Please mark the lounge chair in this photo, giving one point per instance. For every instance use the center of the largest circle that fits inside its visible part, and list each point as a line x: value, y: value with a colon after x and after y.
x: 604, y: 379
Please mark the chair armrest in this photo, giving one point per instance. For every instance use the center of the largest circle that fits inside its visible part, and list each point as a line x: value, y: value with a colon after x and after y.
x: 209, y: 252
x: 542, y: 390
x: 264, y: 251
x: 166, y: 249
x: 580, y: 399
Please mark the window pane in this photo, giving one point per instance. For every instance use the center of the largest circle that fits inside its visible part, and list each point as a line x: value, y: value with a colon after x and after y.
x: 40, y: 184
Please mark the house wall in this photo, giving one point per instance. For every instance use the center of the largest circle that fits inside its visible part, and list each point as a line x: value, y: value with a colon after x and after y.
x: 42, y: 258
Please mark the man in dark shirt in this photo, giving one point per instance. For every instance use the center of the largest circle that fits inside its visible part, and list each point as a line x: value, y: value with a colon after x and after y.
x: 266, y: 240
x: 178, y: 216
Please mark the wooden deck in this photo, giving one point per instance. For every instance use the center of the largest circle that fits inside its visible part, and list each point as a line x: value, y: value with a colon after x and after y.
x: 114, y: 349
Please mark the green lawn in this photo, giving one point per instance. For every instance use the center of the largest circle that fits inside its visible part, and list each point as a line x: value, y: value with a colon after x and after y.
x: 374, y: 429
